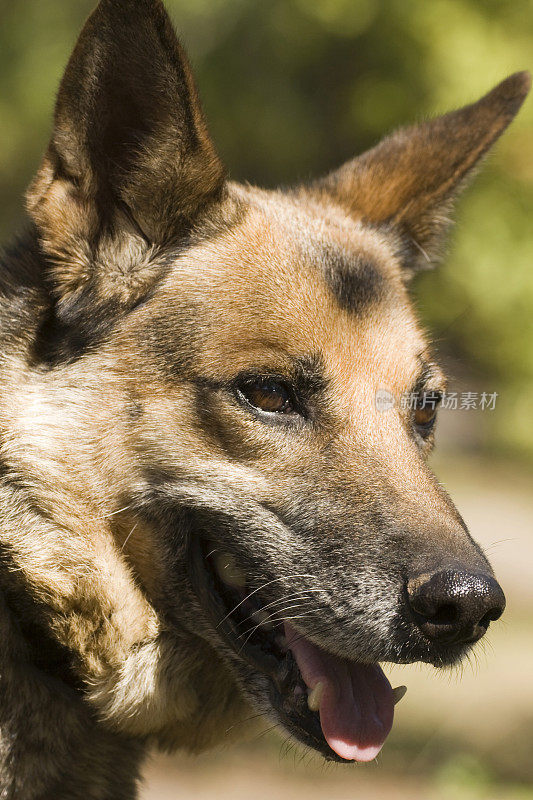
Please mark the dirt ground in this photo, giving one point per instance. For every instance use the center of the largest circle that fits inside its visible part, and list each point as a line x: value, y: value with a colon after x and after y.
x: 172, y: 779
x: 462, y: 735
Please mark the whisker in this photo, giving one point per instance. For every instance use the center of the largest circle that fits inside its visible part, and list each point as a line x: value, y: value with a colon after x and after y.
x: 268, y: 730
x: 499, y: 542
x: 243, y: 721
x: 294, y: 616
x: 129, y: 536
x: 111, y: 514
x: 260, y: 588
x: 280, y: 600
x: 275, y: 616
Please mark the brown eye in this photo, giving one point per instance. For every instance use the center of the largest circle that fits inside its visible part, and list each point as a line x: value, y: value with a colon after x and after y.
x: 268, y: 395
x: 426, y: 412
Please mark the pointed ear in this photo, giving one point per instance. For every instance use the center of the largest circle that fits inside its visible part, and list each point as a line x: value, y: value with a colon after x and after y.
x: 407, y: 184
x: 130, y: 164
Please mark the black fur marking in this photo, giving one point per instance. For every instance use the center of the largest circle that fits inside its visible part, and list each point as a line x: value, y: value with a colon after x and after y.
x: 32, y: 317
x: 356, y: 281
x: 44, y: 651
x: 169, y: 340
x: 58, y: 342
x: 134, y: 408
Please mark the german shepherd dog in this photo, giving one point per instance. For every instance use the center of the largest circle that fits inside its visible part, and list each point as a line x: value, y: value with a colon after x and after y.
x: 205, y: 516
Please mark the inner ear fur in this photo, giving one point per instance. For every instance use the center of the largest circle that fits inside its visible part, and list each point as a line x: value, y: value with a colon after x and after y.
x: 130, y: 164
x: 407, y: 184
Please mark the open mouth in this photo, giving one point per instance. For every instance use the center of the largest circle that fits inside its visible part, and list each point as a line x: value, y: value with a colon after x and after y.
x: 343, y: 709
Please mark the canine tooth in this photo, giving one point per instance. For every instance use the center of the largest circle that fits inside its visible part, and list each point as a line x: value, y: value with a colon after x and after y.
x: 229, y: 572
x: 398, y: 693
x: 315, y: 697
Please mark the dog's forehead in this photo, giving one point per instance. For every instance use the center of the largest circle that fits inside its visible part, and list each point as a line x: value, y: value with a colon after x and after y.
x: 281, y: 248
x: 295, y: 279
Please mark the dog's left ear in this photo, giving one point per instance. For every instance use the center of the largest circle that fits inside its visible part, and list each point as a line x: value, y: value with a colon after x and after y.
x: 407, y: 184
x: 130, y: 164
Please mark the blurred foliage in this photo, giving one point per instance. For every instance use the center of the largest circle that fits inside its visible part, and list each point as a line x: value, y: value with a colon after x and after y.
x: 294, y: 87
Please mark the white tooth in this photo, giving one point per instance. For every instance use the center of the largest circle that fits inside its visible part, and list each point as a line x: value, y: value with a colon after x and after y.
x: 229, y: 572
x: 262, y: 619
x: 314, y: 697
x: 398, y: 693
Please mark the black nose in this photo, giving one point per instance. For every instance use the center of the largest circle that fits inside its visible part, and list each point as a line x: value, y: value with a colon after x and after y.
x: 455, y: 606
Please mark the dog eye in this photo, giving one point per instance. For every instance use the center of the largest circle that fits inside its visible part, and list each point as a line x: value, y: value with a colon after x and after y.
x: 426, y: 412
x: 269, y: 395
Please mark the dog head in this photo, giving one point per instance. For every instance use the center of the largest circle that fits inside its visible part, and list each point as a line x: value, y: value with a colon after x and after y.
x: 248, y: 351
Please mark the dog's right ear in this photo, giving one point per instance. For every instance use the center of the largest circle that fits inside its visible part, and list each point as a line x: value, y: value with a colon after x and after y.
x: 130, y: 164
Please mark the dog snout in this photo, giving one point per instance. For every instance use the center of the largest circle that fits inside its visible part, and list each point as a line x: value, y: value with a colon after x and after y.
x: 454, y: 606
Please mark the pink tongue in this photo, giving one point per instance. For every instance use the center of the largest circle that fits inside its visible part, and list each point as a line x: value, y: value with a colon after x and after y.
x: 357, y: 707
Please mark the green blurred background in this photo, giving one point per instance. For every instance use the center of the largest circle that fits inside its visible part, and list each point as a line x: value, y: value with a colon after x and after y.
x: 292, y: 88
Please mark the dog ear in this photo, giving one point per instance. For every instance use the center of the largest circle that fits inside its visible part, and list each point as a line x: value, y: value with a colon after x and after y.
x: 407, y: 184
x: 130, y: 164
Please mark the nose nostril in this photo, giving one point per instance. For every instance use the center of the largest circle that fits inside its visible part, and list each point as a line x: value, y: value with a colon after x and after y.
x: 490, y: 616
x: 446, y: 614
